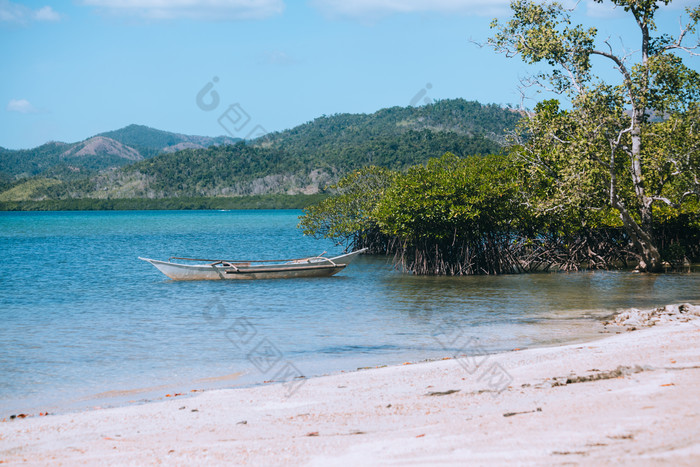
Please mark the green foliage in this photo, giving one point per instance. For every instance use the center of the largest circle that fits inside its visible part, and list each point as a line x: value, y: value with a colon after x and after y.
x: 452, y: 199
x: 563, y: 167
x: 129, y: 204
x: 607, y: 154
x: 448, y: 198
x: 451, y: 216
x: 28, y: 189
x: 543, y: 32
x: 30, y: 162
x: 348, y: 215
x: 476, y: 215
x: 455, y: 215
x: 671, y: 160
x: 193, y: 172
x: 6, y: 182
x: 459, y: 116
x: 397, y: 152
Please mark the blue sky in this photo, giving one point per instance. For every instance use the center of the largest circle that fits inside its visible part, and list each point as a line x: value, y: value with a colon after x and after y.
x: 75, y: 69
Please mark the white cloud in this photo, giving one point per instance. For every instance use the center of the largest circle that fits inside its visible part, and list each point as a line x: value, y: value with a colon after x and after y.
x: 22, y: 106
x: 16, y: 13
x: 11, y: 12
x: 192, y: 9
x: 46, y: 14
x: 373, y: 9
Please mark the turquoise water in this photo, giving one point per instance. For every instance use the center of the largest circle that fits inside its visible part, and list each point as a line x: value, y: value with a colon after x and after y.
x: 80, y: 315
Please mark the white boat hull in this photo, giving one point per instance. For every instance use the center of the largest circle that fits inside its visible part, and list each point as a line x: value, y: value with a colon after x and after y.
x: 313, y: 267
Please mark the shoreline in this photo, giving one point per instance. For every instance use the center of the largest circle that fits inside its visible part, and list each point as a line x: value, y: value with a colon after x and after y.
x: 143, y: 395
x: 126, y: 396
x: 622, y: 398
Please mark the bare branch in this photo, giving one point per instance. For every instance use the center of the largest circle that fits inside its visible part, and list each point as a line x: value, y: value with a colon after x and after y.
x: 678, y: 45
x: 663, y: 200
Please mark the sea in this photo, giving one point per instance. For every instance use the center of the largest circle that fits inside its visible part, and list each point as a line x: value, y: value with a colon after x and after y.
x: 85, y: 324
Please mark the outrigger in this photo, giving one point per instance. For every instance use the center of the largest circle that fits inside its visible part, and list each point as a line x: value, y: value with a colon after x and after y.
x: 218, y: 269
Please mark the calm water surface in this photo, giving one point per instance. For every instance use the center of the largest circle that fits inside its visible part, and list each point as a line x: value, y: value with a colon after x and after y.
x: 81, y: 316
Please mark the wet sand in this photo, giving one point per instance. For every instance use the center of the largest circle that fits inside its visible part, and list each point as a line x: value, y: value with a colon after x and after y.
x: 630, y: 398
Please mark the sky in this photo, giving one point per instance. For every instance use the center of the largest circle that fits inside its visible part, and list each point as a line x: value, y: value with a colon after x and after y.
x: 246, y: 67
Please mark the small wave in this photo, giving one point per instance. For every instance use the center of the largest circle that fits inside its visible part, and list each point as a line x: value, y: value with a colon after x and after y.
x: 356, y: 349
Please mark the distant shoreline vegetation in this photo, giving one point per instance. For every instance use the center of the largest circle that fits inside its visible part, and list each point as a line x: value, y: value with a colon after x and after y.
x: 275, y: 201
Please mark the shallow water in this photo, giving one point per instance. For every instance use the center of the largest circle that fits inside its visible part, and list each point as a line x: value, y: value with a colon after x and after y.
x: 80, y: 315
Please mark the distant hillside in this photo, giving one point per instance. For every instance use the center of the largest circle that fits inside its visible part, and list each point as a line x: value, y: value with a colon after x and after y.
x: 396, y: 137
x: 304, y: 159
x: 459, y: 116
x: 70, y: 161
x: 100, y: 145
x: 149, y: 141
x: 33, y: 188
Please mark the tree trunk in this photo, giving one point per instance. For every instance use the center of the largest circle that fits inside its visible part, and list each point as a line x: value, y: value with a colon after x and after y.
x: 650, y: 258
x: 642, y: 235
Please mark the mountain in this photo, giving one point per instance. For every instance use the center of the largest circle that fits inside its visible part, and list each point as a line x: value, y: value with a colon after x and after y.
x: 100, y: 145
x: 304, y: 159
x: 396, y: 137
x: 69, y: 161
x: 149, y: 141
x: 458, y: 116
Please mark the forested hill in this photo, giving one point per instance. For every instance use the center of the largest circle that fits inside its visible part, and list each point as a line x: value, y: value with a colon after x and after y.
x: 67, y: 161
x: 467, y: 118
x: 304, y: 159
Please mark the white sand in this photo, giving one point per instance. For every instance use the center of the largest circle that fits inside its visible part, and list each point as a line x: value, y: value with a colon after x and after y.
x: 648, y: 415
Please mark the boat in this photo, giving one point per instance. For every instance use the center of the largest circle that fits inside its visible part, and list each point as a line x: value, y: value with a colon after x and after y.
x: 218, y: 269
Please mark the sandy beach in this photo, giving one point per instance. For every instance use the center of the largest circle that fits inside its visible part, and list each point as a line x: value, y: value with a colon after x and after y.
x: 629, y: 398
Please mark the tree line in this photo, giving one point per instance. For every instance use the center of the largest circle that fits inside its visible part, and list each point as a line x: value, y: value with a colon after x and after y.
x: 485, y: 215
x: 275, y: 201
